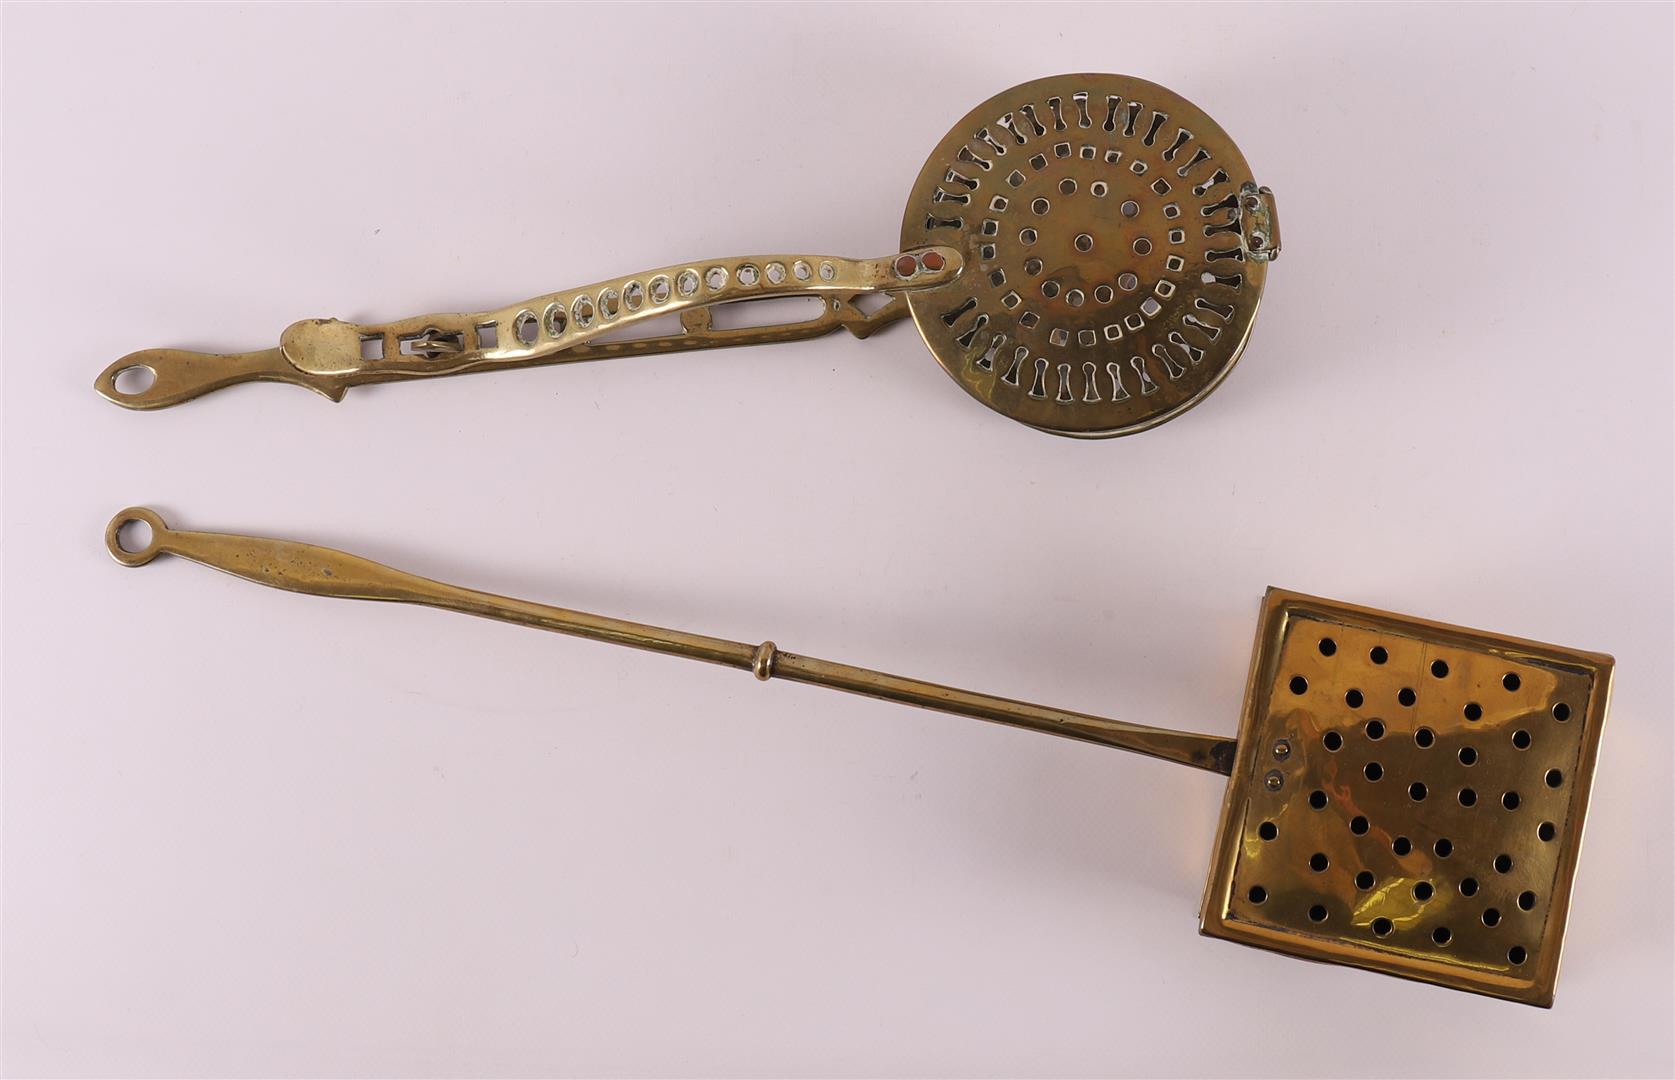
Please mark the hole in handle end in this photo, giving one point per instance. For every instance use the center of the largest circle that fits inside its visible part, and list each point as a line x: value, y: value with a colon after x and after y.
x: 135, y: 535
x: 134, y: 381
x: 158, y: 378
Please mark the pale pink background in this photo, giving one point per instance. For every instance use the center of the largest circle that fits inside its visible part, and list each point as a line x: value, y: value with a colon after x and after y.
x: 253, y: 833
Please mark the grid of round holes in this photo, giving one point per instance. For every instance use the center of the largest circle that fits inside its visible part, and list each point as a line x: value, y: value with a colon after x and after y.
x: 1496, y: 909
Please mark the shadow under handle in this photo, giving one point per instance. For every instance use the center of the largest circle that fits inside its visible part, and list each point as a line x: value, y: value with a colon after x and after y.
x: 321, y: 571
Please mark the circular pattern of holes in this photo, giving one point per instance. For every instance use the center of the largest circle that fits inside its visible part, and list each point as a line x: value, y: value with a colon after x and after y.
x: 1008, y: 180
x: 1403, y: 840
x: 586, y: 309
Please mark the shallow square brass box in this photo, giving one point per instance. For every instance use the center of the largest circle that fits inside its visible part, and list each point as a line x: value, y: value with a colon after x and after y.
x: 1408, y: 797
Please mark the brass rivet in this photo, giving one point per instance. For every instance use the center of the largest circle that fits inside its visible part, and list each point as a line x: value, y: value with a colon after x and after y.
x: 1273, y: 781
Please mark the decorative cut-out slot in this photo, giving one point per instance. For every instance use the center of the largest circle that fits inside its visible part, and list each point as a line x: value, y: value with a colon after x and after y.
x: 1230, y: 204
x: 1192, y: 352
x: 1198, y: 158
x: 1038, y: 388
x: 1174, y: 370
x: 1158, y: 120
x: 1217, y: 177
x: 994, y: 145
x: 778, y: 311
x: 1146, y: 384
x: 1019, y: 355
x: 1118, y: 392
x: 1211, y: 332
x: 1064, y: 396
x: 954, y: 315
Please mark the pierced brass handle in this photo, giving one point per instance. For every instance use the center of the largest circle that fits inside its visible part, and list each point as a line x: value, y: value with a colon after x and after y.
x: 328, y: 355
x: 305, y: 568
x: 1083, y: 253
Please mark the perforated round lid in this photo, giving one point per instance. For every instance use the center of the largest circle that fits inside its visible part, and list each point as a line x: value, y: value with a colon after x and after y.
x: 1116, y: 249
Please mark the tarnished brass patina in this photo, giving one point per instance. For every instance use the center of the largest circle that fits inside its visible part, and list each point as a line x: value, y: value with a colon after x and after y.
x: 1116, y: 247
x: 1083, y: 253
x: 1408, y: 797
x: 1405, y: 796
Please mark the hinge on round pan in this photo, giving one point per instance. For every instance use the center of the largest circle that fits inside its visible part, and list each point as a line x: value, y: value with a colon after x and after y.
x: 1259, y: 223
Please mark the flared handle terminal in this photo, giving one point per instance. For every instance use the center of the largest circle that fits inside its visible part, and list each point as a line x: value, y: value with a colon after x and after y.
x: 158, y: 378
x: 306, y: 568
x: 329, y: 355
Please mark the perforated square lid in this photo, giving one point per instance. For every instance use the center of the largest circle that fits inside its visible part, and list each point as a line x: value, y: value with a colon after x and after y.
x: 1408, y: 797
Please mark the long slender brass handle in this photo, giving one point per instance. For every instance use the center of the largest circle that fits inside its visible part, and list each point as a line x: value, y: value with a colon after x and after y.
x: 306, y: 568
x: 328, y: 356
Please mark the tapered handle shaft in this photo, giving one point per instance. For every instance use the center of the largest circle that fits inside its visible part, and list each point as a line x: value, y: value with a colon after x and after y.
x: 307, y: 568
